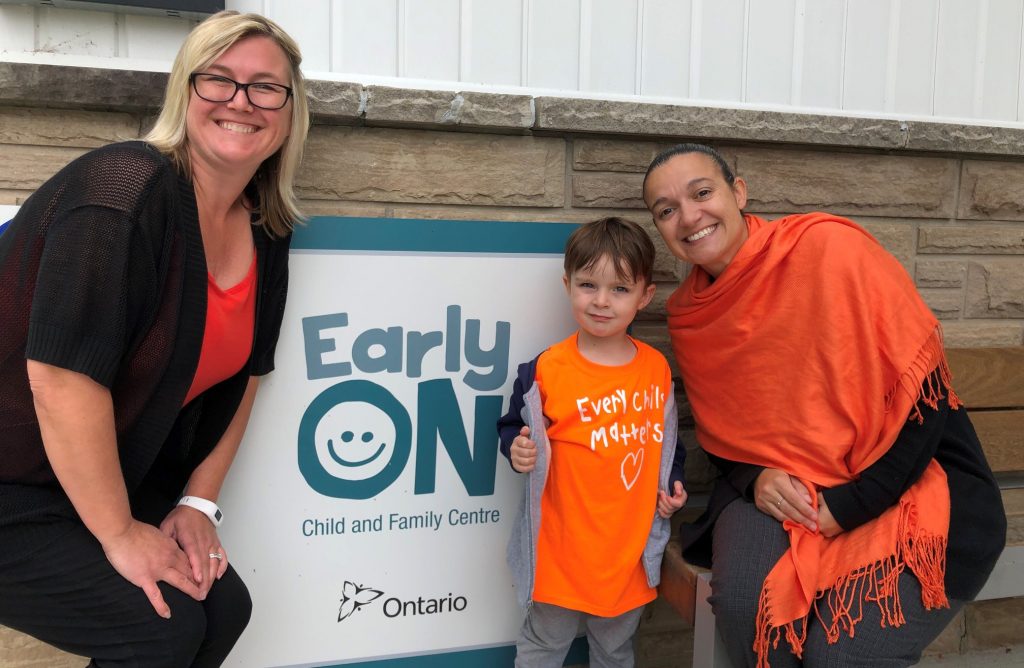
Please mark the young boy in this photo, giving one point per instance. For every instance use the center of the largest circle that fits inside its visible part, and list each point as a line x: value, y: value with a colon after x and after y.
x: 593, y: 421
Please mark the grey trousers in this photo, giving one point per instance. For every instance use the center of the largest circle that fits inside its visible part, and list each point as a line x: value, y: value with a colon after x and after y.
x: 548, y: 630
x: 746, y: 545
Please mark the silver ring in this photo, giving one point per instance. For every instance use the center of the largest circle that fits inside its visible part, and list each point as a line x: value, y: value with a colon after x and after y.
x: 779, y: 502
x: 216, y: 555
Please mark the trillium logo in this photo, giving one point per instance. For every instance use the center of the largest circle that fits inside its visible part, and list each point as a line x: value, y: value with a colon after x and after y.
x: 354, y: 597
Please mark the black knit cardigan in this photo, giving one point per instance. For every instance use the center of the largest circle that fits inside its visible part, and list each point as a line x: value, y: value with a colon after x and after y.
x: 102, y: 272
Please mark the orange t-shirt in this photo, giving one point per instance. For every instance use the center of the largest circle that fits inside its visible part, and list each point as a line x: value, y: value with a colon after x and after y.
x: 227, y: 339
x: 606, y: 431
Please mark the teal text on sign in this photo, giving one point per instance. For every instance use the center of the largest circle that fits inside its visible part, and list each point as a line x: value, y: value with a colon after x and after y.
x: 356, y: 438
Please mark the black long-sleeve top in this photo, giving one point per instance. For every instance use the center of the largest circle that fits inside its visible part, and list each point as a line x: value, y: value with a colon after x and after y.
x: 977, y: 523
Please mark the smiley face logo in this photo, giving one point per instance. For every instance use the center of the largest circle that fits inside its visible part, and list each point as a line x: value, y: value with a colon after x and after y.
x: 347, y: 436
x: 354, y: 440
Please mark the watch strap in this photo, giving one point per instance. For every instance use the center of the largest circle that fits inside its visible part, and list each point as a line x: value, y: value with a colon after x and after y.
x: 205, y: 506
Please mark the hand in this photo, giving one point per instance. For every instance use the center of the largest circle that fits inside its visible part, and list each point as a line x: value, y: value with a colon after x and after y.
x: 828, y: 524
x: 523, y: 452
x: 197, y: 536
x: 144, y: 556
x: 784, y: 497
x: 668, y: 505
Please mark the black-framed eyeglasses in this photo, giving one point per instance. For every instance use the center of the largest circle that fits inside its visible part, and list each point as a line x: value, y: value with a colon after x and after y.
x: 218, y: 88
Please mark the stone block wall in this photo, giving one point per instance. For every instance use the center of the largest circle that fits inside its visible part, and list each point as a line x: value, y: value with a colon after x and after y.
x: 946, y: 200
x: 953, y: 220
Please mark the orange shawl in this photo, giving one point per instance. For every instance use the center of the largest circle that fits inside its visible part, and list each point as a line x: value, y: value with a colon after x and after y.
x: 807, y: 354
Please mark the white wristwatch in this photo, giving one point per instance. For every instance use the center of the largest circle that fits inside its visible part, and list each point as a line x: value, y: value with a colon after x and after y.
x: 205, y: 506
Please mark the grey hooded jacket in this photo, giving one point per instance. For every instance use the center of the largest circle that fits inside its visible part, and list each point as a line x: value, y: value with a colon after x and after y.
x: 522, y: 546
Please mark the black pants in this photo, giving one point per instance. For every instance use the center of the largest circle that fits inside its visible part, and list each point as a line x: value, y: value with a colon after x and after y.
x: 57, y: 585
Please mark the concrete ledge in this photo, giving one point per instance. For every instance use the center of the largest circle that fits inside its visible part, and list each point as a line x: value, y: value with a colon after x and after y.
x: 608, y: 116
x: 338, y: 102
x: 31, y: 84
x: 961, y: 138
x: 347, y: 103
x: 432, y: 108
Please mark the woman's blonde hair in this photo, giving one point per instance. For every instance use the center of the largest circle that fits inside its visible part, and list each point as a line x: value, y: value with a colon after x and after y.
x: 271, y: 186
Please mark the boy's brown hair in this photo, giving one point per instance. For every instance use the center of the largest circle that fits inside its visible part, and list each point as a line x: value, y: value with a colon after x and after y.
x: 626, y: 243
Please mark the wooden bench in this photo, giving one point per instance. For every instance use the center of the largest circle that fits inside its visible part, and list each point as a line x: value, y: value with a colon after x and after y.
x: 991, y: 383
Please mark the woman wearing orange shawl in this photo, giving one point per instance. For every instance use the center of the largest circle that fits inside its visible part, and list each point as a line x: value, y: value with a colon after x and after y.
x: 856, y: 513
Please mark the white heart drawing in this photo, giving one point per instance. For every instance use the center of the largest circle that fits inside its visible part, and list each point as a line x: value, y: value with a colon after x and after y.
x: 636, y: 460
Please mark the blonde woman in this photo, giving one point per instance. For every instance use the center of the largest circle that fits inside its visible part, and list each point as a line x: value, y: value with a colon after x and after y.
x: 142, y: 290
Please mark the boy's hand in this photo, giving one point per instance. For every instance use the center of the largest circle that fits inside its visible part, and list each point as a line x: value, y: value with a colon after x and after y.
x: 667, y: 505
x: 523, y: 451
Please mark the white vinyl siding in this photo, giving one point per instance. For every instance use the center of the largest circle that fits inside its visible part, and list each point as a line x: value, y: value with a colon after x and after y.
x: 942, y: 59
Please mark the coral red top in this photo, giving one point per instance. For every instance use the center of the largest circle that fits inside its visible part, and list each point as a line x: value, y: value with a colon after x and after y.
x: 227, y: 339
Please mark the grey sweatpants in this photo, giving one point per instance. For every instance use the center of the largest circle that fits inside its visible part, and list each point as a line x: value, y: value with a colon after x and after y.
x: 548, y: 630
x: 746, y: 545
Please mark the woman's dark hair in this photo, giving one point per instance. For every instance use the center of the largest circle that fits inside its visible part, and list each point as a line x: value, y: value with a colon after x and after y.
x: 682, y: 149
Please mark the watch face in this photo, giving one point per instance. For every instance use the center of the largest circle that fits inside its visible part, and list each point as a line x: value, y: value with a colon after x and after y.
x: 219, y: 515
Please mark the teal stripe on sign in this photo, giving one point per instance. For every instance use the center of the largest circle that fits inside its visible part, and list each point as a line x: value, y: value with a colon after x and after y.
x: 492, y: 657
x: 430, y: 236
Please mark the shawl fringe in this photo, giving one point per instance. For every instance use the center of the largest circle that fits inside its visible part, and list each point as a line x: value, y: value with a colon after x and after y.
x: 750, y: 305
x: 929, y: 364
x: 878, y: 583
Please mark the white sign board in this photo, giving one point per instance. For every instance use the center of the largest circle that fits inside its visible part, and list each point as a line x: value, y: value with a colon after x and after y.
x: 7, y: 212
x: 369, y: 509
